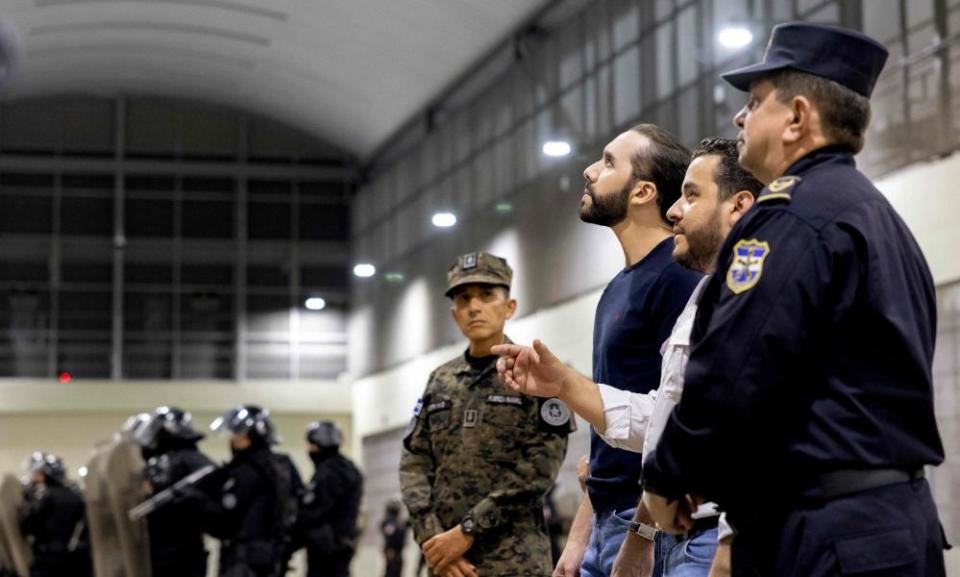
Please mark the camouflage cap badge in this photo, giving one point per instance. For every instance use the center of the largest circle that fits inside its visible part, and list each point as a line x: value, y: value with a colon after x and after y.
x: 478, y: 267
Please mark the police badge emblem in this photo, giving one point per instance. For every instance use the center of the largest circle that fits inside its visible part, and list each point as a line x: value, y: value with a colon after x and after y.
x: 555, y: 412
x: 747, y: 265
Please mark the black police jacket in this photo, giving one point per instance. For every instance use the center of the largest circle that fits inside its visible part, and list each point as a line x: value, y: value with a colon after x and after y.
x: 176, y: 531
x: 330, y: 505
x: 811, y: 350
x: 253, y: 498
x: 394, y: 531
x: 54, y: 519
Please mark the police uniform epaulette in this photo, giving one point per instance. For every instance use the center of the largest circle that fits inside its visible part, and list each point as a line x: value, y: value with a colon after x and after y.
x: 779, y: 189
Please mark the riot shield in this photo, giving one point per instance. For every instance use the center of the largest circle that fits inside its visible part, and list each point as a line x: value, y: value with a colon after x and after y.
x: 124, y: 469
x: 11, y: 500
x: 104, y: 536
x: 6, y: 559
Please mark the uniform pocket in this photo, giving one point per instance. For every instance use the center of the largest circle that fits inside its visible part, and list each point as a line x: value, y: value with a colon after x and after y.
x: 876, y: 552
x: 502, y: 415
x: 497, y: 436
x: 439, y: 420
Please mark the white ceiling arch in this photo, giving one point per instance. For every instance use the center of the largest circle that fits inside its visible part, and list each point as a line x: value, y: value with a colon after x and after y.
x: 350, y: 72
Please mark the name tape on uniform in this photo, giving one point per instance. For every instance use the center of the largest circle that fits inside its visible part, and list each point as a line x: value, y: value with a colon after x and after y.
x: 505, y: 400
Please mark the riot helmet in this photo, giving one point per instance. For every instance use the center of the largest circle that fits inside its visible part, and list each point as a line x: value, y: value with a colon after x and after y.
x: 324, y: 434
x: 251, y: 420
x: 165, y: 424
x: 50, y: 465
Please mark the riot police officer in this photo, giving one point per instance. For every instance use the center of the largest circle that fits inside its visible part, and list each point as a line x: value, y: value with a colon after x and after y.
x: 394, y: 531
x: 53, y: 519
x: 330, y: 504
x: 252, y: 500
x: 169, y: 443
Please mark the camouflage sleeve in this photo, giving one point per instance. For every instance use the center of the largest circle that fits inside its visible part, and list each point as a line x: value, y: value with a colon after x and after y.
x: 417, y: 473
x: 544, y: 448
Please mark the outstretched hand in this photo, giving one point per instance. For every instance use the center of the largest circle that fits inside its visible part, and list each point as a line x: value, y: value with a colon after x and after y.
x: 531, y: 370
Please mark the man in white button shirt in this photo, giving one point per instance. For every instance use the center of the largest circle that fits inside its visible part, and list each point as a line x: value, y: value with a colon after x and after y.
x: 717, y: 192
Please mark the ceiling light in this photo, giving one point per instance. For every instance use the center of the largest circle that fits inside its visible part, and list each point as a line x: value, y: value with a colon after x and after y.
x: 315, y: 304
x: 735, y: 37
x: 364, y: 270
x: 556, y: 148
x: 503, y: 207
x: 393, y: 277
x: 444, y: 219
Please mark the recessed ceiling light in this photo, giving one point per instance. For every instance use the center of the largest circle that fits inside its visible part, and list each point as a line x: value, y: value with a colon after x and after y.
x: 503, y: 207
x: 364, y: 270
x: 316, y: 304
x: 556, y: 148
x: 735, y: 37
x: 444, y: 219
x: 393, y: 277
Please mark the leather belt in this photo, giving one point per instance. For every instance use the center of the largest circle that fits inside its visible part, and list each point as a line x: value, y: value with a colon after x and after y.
x: 847, y: 481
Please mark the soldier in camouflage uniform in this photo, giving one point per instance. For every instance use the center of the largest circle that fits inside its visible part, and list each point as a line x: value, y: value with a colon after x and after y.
x: 478, y: 459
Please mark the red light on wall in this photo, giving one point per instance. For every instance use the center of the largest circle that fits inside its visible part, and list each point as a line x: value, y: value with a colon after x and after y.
x: 65, y: 377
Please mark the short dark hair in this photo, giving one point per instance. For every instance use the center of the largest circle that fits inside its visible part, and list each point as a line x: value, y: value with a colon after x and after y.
x: 729, y: 175
x: 845, y: 114
x: 664, y: 164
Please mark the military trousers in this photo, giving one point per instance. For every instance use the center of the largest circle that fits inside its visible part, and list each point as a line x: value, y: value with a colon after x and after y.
x: 889, y: 531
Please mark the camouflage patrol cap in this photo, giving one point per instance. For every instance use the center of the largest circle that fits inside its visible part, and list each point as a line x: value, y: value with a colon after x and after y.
x: 478, y: 267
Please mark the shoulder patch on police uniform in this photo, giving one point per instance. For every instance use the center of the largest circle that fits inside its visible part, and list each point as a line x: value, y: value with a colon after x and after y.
x: 779, y: 189
x: 747, y: 264
x: 469, y: 261
x: 555, y: 413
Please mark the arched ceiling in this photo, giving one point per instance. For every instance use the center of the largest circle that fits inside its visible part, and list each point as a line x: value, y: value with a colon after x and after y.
x: 350, y: 72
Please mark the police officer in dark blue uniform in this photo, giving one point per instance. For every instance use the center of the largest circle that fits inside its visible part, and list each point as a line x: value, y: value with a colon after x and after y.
x: 53, y: 518
x: 330, y: 504
x: 168, y: 441
x: 252, y: 501
x: 808, y: 407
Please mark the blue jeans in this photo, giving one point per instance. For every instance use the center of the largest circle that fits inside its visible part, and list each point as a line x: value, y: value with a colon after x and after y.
x: 608, y: 530
x: 607, y: 535
x: 691, y: 557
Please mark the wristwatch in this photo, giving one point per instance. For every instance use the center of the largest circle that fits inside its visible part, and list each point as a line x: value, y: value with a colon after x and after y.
x: 648, y: 532
x: 468, y: 525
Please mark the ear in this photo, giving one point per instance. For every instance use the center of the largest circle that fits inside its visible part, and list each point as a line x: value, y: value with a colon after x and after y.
x: 740, y: 203
x: 511, y: 308
x: 453, y: 311
x: 644, y: 192
x: 803, y: 117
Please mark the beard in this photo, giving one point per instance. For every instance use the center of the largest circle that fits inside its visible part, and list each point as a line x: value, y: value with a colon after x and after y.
x: 702, y: 245
x: 607, y: 210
